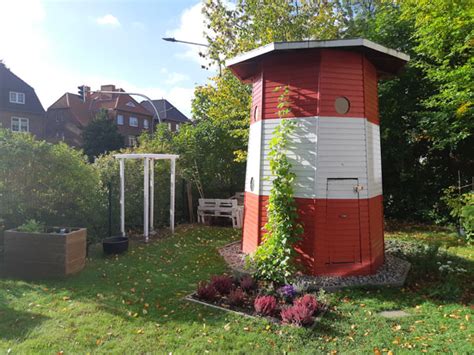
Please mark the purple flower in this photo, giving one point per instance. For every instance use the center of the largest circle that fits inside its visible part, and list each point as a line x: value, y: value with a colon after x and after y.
x: 287, y: 291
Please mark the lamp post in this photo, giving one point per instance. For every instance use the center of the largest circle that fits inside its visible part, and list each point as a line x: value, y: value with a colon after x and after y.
x: 172, y: 39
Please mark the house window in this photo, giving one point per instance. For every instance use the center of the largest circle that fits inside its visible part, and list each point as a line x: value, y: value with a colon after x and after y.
x: 132, y: 141
x: 133, y: 121
x: 17, y: 97
x: 145, y: 123
x: 169, y: 126
x: 120, y: 120
x: 177, y: 127
x: 130, y: 104
x: 20, y: 124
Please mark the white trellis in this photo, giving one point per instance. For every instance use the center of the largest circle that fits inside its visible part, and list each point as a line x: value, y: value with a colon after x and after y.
x: 148, y: 189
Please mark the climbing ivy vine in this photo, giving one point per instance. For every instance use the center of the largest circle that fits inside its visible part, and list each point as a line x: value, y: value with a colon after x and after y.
x: 274, y: 258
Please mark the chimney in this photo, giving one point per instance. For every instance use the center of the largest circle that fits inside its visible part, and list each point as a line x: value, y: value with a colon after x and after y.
x: 87, y: 91
x: 107, y: 88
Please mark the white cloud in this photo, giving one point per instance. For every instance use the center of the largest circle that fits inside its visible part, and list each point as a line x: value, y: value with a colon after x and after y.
x: 191, y: 28
x: 108, y: 20
x: 51, y: 78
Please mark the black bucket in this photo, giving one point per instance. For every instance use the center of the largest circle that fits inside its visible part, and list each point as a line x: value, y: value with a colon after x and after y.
x: 115, y: 245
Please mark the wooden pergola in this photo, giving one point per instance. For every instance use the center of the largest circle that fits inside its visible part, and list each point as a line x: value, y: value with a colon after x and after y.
x: 148, y: 189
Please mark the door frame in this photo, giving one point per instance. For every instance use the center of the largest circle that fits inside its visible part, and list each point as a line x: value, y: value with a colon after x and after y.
x: 328, y: 260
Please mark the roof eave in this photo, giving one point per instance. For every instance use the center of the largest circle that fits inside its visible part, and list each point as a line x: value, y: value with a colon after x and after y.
x: 253, y: 56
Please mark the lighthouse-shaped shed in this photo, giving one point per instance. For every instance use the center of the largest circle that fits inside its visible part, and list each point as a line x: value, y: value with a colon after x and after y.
x: 335, y: 148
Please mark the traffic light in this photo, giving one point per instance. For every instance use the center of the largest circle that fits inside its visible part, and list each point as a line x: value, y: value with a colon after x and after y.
x: 82, y: 92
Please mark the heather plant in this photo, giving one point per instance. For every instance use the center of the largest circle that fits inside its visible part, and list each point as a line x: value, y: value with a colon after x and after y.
x: 236, y: 297
x: 223, y: 284
x: 265, y: 305
x: 206, y: 292
x: 308, y: 301
x: 273, y: 259
x: 247, y: 283
x: 298, y: 315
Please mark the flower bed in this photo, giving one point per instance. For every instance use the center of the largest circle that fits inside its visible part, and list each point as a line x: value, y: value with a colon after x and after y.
x: 246, y: 296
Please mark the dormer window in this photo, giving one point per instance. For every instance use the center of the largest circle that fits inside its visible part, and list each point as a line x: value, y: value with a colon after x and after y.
x: 130, y: 104
x: 17, y: 97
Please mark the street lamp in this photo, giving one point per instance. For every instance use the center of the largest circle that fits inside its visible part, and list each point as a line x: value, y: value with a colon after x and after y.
x: 172, y: 39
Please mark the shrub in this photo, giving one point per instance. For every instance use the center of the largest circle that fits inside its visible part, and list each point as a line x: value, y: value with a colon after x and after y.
x: 265, y: 305
x: 287, y: 292
x: 298, y: 315
x: 206, y: 292
x: 247, y: 283
x: 52, y: 183
x: 308, y: 301
x: 236, y: 297
x: 462, y: 209
x: 222, y: 283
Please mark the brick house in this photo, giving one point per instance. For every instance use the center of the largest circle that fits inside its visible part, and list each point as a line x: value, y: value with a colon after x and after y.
x: 67, y: 117
x: 20, y: 108
x: 168, y: 113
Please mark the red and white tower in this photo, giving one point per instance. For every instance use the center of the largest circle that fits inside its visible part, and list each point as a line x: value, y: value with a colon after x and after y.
x: 335, y: 148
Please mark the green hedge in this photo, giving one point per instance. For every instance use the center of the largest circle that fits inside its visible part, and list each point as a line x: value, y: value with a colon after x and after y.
x: 51, y: 183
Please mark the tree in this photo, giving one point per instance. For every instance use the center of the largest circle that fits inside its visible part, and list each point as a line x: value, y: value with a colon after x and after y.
x: 101, y: 136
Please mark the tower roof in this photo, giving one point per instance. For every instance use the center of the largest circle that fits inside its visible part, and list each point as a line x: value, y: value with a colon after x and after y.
x: 387, y: 61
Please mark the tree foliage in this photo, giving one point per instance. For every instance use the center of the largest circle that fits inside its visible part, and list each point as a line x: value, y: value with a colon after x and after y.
x: 426, y: 112
x: 101, y: 136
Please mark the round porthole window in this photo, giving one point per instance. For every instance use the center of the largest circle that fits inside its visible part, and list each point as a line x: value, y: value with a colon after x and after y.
x: 255, y: 113
x: 342, y: 105
x: 252, y: 184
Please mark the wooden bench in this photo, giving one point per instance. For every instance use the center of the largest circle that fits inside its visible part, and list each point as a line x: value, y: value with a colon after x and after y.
x: 214, y: 207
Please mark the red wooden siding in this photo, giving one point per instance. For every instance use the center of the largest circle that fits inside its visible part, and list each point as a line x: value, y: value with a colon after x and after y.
x: 341, y: 75
x: 257, y: 97
x: 317, y: 245
x: 376, y: 231
x: 300, y: 74
x: 370, y: 92
x: 250, y: 231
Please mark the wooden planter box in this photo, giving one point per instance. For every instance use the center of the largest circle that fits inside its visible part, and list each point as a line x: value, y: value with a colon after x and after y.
x: 44, y: 255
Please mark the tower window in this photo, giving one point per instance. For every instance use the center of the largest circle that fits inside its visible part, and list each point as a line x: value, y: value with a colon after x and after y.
x: 342, y: 105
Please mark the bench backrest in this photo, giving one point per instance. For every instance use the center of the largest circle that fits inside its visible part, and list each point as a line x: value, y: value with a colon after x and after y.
x: 216, y: 203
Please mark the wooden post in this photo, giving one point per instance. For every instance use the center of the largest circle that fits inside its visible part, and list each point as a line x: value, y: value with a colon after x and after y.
x: 146, y: 197
x: 122, y: 197
x: 152, y: 194
x: 172, y: 188
x: 189, y: 192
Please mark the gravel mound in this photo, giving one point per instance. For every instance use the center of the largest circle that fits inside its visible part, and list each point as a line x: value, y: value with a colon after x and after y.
x: 393, y: 272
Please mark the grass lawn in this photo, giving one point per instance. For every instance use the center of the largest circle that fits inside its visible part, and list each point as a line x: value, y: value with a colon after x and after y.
x: 133, y: 304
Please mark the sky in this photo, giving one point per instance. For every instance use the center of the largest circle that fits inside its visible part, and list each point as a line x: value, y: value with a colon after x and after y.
x: 57, y: 45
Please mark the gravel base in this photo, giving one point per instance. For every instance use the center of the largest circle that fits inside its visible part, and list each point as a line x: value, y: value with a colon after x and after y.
x: 393, y: 272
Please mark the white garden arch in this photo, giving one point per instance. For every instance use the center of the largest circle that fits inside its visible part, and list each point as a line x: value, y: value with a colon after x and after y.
x: 148, y: 189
